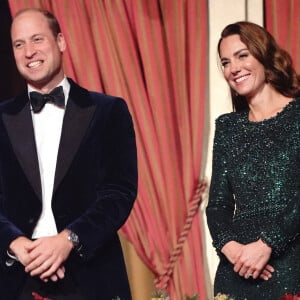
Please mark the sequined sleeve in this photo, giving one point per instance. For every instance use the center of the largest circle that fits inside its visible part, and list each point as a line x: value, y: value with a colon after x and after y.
x: 284, y: 229
x: 220, y: 209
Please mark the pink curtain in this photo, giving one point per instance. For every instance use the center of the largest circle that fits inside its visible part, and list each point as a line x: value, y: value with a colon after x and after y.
x: 154, y: 54
x: 283, y: 22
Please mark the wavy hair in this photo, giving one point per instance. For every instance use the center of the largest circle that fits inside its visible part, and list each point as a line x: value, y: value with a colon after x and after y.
x: 279, y: 70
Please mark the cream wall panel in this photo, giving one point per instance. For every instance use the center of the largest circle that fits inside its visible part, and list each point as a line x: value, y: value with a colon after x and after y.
x: 221, y: 13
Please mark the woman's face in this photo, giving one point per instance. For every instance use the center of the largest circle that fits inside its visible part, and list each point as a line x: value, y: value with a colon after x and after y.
x: 243, y: 72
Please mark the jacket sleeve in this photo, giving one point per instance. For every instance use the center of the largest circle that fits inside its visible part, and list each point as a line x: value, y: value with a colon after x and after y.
x: 221, y: 205
x: 117, y: 189
x: 8, y: 233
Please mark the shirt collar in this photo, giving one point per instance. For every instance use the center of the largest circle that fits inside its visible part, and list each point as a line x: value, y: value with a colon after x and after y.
x: 64, y: 83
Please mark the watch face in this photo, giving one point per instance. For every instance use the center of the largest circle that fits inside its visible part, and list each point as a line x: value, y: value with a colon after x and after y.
x: 73, y: 237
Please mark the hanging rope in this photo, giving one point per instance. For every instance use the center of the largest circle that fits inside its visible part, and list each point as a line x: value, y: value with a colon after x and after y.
x: 162, y: 281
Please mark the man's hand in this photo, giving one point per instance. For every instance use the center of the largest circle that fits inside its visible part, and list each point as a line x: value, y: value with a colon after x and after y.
x: 48, y: 255
x: 19, y: 248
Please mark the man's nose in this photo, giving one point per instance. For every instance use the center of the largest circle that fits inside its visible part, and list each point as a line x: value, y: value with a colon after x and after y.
x: 29, y: 50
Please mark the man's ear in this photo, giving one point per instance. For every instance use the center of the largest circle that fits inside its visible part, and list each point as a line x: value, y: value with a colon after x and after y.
x: 61, y: 42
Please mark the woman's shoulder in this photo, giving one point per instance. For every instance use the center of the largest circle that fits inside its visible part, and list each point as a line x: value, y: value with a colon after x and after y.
x: 228, y: 124
x: 292, y: 110
x: 297, y: 103
x: 295, y: 111
x: 230, y: 118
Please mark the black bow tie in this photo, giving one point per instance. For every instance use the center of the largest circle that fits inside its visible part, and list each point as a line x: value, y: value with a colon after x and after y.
x: 39, y: 100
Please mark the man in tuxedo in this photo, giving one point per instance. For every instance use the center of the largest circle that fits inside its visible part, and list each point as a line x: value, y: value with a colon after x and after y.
x: 68, y: 177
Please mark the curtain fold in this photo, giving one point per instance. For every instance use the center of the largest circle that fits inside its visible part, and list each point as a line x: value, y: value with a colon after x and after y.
x: 283, y: 22
x: 154, y: 55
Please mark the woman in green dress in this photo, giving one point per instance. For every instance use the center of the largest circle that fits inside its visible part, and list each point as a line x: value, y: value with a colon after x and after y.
x: 253, y: 211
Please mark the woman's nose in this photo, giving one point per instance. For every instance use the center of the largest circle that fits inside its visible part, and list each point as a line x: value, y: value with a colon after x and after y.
x: 235, y: 67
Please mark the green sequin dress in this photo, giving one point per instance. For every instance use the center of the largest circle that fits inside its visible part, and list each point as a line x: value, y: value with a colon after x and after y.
x: 255, y: 193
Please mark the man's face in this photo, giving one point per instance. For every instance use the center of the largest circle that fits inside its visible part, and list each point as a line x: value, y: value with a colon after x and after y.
x: 38, y: 53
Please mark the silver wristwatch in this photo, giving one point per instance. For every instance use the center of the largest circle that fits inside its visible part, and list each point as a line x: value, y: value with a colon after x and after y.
x: 74, y: 239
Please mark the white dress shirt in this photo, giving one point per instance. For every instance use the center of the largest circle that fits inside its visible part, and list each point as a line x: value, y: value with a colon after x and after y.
x: 47, y: 126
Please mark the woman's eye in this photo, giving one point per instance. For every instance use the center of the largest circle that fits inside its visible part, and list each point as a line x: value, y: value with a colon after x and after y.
x: 224, y: 63
x: 243, y: 55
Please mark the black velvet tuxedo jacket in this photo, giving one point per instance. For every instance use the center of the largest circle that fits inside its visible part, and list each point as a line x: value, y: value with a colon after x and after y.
x: 94, y: 190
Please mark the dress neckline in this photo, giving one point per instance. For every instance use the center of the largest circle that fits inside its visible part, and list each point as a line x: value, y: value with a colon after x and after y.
x: 285, y: 109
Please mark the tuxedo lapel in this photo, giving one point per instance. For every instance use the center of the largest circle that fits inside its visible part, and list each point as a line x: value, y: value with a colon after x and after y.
x: 79, y: 112
x: 18, y: 122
